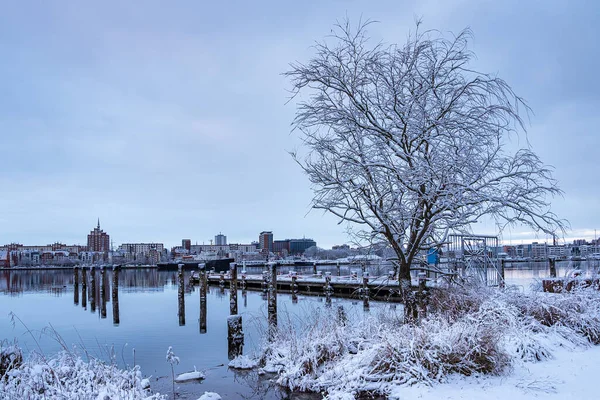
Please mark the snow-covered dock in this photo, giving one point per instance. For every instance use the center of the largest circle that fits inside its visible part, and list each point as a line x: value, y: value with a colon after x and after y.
x: 379, y: 288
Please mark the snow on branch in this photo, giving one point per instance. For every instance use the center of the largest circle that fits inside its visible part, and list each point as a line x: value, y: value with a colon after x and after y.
x: 409, y: 142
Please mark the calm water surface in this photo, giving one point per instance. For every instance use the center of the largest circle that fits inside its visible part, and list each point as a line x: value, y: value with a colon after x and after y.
x: 147, y: 320
x: 144, y: 320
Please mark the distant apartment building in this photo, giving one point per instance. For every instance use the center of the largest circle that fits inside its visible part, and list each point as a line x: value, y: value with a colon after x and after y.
x: 141, y: 252
x: 292, y: 246
x: 558, y: 251
x: 265, y: 241
x: 539, y: 250
x: 226, y: 250
x: 220, y: 239
x: 511, y: 251
x: 281, y: 247
x: 4, y: 259
x: 98, y: 240
x: 186, y: 244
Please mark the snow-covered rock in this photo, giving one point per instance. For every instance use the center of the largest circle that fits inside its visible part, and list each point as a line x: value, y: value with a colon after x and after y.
x: 145, y: 383
x: 210, y: 396
x: 242, y: 362
x: 189, y: 376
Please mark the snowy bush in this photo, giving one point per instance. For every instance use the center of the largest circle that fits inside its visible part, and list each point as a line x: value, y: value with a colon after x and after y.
x: 470, y: 330
x: 67, y: 376
x: 10, y: 357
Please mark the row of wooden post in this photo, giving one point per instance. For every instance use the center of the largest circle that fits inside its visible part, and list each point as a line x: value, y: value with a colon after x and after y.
x: 91, y: 295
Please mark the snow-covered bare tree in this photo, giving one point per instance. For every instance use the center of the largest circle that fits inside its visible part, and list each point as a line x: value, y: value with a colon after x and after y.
x: 411, y: 143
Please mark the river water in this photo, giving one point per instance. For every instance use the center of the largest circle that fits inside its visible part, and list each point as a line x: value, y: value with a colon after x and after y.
x: 142, y: 321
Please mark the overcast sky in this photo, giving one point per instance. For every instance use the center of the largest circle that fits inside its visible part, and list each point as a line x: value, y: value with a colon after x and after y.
x: 167, y: 120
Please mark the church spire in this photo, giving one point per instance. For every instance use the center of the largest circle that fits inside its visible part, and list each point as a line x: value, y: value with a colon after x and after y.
x: 98, y: 222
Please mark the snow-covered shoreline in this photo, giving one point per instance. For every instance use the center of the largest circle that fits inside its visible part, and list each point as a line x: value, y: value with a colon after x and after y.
x: 68, y: 376
x: 476, y: 343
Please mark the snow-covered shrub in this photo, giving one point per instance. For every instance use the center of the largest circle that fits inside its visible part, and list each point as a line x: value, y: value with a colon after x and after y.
x: 453, y: 302
x: 578, y: 311
x: 67, y: 376
x: 10, y: 357
x: 470, y: 330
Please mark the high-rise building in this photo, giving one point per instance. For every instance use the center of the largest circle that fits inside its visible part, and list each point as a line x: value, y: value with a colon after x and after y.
x: 265, y: 240
x: 298, y: 246
x: 186, y: 244
x: 98, y: 240
x: 220, y: 239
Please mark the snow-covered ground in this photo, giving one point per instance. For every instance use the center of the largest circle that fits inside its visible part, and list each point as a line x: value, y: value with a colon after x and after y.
x: 571, y: 374
x: 479, y: 344
x: 68, y: 376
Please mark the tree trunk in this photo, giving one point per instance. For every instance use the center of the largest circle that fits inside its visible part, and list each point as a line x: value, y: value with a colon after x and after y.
x: 411, y: 311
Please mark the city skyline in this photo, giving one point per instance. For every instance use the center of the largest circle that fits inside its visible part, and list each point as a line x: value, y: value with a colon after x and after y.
x: 172, y: 122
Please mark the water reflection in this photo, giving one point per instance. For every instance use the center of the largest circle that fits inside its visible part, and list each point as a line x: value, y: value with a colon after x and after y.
x: 143, y: 318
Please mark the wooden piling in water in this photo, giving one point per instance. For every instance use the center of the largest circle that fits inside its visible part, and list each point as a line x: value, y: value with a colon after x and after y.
x: 203, y: 290
x: 235, y: 336
x: 552, y: 262
x: 365, y: 290
x: 102, y: 292
x: 272, y: 299
x: 115, y: 294
x: 93, y: 289
x: 233, y: 288
x: 180, y: 295
x: 339, y: 270
x: 314, y: 268
x: 83, y: 288
x: 294, y: 287
x: 76, y: 286
x: 421, y: 296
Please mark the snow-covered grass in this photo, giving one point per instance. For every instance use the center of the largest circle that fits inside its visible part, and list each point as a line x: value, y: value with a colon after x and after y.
x: 68, y: 376
x: 470, y: 331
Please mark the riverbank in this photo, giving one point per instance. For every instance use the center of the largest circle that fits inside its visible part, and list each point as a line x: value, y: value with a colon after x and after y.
x: 479, y: 338
x: 68, y: 376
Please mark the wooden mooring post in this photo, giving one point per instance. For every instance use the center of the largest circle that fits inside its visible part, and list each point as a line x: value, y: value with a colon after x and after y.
x: 115, y: 295
x: 294, y: 287
x: 339, y: 270
x: 180, y: 295
x: 203, y: 290
x: 501, y: 283
x: 76, y: 285
x: 103, y: 292
x: 422, y: 296
x: 235, y: 336
x: 272, y: 300
x: 233, y: 288
x: 93, y: 289
x: 328, y: 289
x: 83, y: 288
x: 365, y: 290
x: 552, y: 263
x: 314, y: 268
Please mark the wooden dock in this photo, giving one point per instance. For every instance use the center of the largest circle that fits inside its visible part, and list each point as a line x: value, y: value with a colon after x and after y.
x: 353, y: 286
